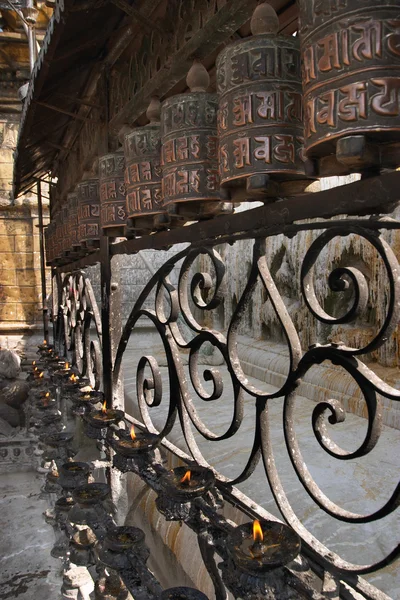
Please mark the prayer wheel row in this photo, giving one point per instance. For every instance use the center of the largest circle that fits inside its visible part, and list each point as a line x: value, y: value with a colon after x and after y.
x: 287, y: 110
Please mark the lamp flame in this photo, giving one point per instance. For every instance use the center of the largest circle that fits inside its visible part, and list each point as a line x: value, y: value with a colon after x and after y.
x: 41, y: 375
x: 258, y: 535
x: 47, y: 395
x: 132, y: 433
x: 104, y: 407
x: 66, y: 366
x: 33, y: 363
x: 186, y: 477
x: 73, y: 378
x: 44, y: 343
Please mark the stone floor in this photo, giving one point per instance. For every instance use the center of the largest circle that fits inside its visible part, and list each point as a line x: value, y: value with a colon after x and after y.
x: 27, y: 570
x: 361, y: 485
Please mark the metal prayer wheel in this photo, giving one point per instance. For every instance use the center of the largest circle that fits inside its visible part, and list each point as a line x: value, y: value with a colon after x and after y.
x: 351, y: 82
x: 112, y: 194
x: 142, y: 149
x: 260, y: 117
x: 89, y: 212
x: 65, y: 228
x: 189, y: 150
x: 58, y: 239
x: 72, y: 203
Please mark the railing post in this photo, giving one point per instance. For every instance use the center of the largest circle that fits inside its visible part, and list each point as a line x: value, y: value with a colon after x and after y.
x: 42, y: 265
x: 105, y: 279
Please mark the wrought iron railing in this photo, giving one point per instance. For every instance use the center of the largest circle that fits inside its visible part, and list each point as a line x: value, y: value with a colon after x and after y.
x: 78, y: 317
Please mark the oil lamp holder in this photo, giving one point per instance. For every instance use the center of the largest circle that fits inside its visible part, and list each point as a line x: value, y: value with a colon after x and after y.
x: 121, y: 545
x: 174, y: 510
x: 81, y: 548
x: 96, y: 426
x: 180, y: 487
x: 89, y: 509
x: 137, y: 451
x: 73, y: 475
x: 110, y: 587
x: 256, y: 569
x: 93, y: 432
x: 140, y: 464
x: 182, y: 593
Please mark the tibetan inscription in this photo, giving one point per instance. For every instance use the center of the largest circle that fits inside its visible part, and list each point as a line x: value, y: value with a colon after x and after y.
x: 142, y: 149
x: 351, y: 72
x: 260, y: 117
x: 189, y: 151
x: 88, y: 210
x: 112, y: 191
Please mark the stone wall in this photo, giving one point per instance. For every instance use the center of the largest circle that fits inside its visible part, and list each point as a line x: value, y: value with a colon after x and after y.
x: 20, y: 279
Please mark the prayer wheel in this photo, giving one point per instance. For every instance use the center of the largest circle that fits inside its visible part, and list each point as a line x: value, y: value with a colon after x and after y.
x: 189, y: 150
x: 112, y: 194
x: 89, y: 212
x: 142, y: 149
x: 351, y: 83
x: 260, y: 118
x: 58, y: 239
x: 65, y: 232
x: 72, y: 202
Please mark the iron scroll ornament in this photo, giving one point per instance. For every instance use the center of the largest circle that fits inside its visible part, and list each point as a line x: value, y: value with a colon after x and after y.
x: 204, y: 291
x: 78, y: 326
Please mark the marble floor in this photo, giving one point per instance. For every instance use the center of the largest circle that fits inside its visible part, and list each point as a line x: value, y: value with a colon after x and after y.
x: 27, y: 570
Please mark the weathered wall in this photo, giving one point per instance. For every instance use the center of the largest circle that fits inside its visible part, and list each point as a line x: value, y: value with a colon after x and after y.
x: 20, y: 283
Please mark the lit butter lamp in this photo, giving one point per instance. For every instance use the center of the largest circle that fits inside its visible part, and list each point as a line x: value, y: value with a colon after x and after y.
x: 88, y: 395
x: 46, y: 401
x: 186, y: 483
x: 99, y: 419
x: 72, y: 382
x: 65, y: 371
x: 135, y: 442
x: 45, y: 346
x: 262, y: 546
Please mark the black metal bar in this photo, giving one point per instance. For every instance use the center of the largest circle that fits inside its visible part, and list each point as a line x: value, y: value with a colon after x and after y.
x: 105, y: 275
x: 372, y: 196
x: 42, y: 265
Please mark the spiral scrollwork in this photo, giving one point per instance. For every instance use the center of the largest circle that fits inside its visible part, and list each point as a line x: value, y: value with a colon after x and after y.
x: 78, y: 312
x: 203, y: 366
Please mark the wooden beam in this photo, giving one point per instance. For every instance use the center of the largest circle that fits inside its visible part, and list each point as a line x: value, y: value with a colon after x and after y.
x: 63, y: 112
x: 134, y: 12
x: 81, y: 101
x: 205, y: 41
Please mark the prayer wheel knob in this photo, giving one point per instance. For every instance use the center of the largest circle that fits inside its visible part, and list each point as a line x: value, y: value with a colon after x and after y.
x: 264, y: 20
x: 153, y: 111
x: 125, y: 129
x: 198, y: 79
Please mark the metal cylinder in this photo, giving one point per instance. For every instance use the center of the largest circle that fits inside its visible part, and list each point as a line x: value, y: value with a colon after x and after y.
x: 58, y: 239
x: 189, y: 147
x: 72, y: 202
x: 351, y: 81
x: 260, y: 120
x: 89, y: 212
x: 142, y: 149
x: 65, y: 231
x: 112, y: 194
